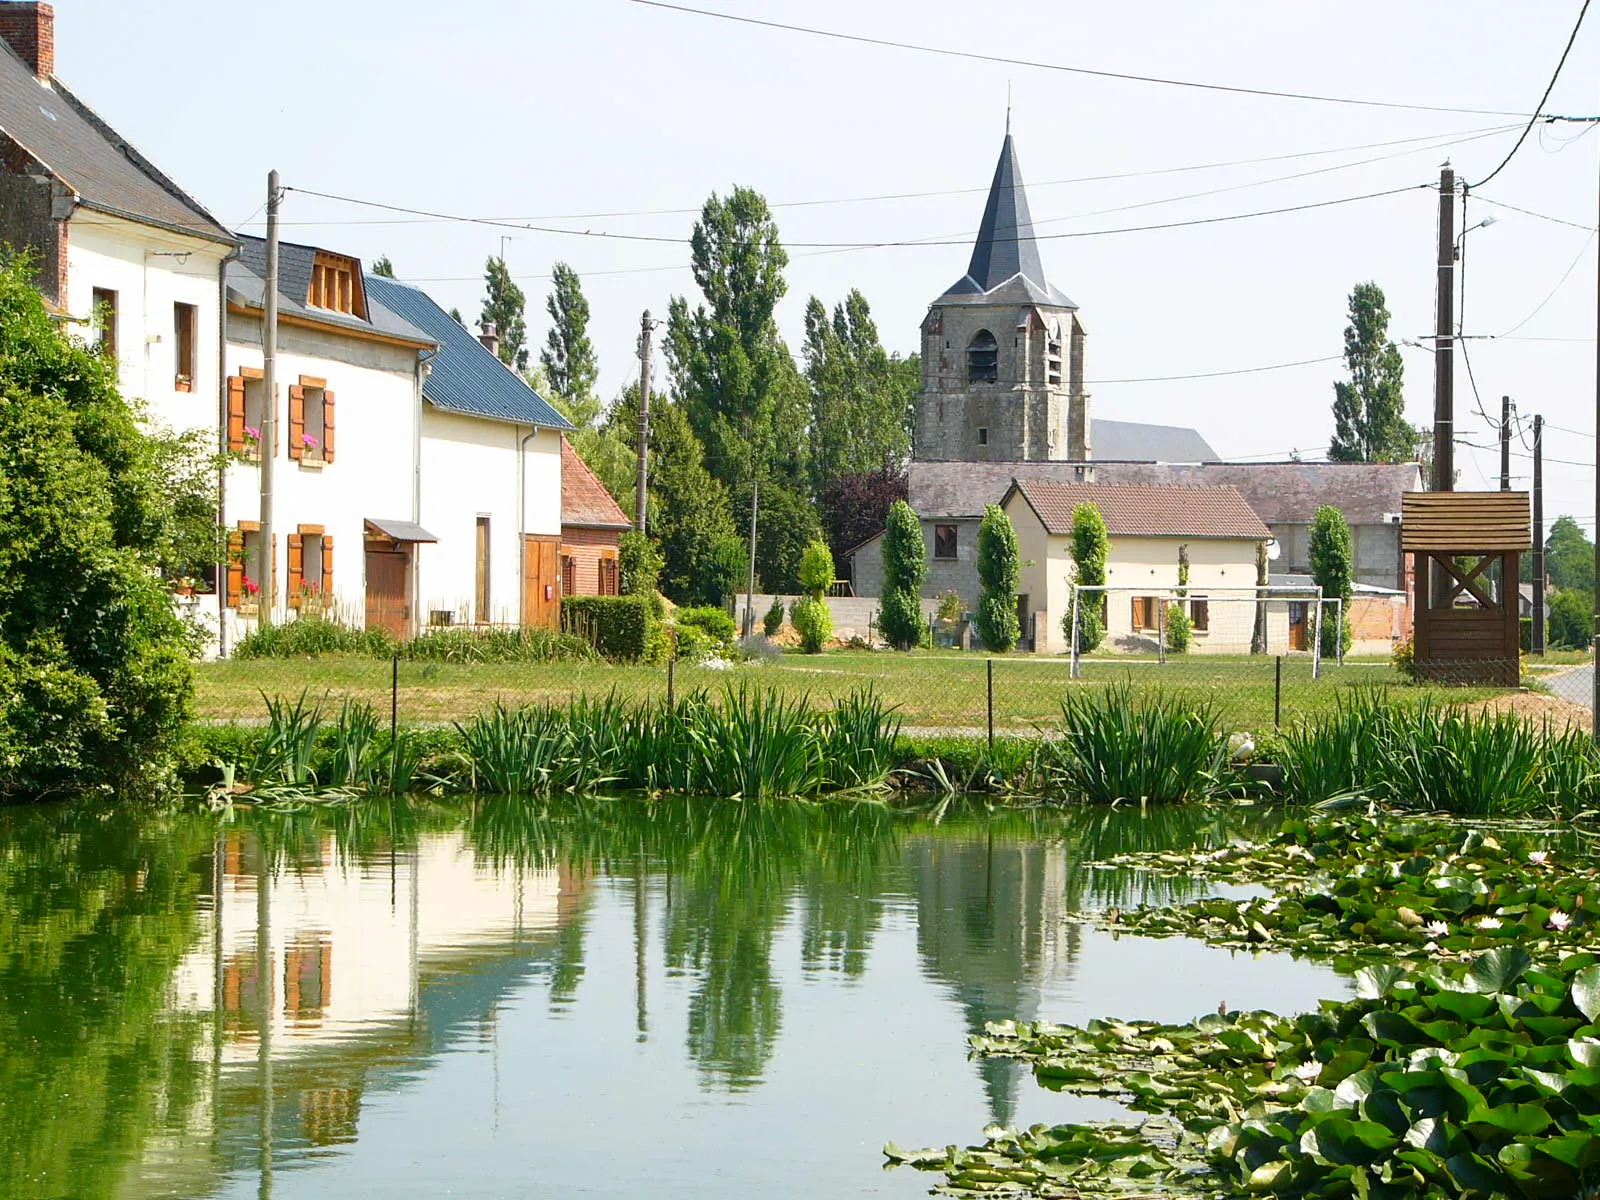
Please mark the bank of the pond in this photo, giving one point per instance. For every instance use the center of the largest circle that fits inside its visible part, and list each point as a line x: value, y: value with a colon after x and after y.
x: 1467, y: 1065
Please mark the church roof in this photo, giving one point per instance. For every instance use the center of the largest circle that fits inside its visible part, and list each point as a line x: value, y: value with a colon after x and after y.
x: 1136, y: 441
x: 1005, y: 266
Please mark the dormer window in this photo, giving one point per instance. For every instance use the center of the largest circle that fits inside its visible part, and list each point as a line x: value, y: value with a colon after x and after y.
x: 983, y: 358
x: 335, y: 285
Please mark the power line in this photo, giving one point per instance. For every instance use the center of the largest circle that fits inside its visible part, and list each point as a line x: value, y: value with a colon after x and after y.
x: 1551, y: 295
x: 1576, y: 432
x: 1549, y: 87
x: 1566, y: 462
x: 884, y: 245
x: 1304, y: 362
x: 1528, y: 212
x: 973, y: 55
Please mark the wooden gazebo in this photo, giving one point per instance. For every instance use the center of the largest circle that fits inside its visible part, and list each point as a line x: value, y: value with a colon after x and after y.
x: 1466, y: 546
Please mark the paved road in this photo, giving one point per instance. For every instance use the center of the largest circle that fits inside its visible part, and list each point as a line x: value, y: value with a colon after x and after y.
x: 1575, y: 683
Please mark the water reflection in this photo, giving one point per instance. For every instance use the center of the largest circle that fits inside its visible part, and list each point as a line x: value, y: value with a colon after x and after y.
x: 189, y: 1004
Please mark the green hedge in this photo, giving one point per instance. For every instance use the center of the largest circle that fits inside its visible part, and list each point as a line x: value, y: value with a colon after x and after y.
x: 621, y: 628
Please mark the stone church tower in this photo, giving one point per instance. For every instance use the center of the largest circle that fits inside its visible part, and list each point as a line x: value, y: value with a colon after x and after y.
x: 1002, y: 350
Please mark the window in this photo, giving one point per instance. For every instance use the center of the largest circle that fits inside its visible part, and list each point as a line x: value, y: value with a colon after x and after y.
x: 246, y: 412
x: 311, y: 407
x: 334, y: 285
x: 1200, y: 614
x: 569, y: 575
x: 1146, y: 610
x: 983, y: 358
x: 246, y: 569
x: 608, y: 577
x: 481, y: 590
x: 983, y: 436
x: 944, y: 541
x: 185, y: 320
x: 310, y: 570
x: 1053, y: 355
x: 104, y: 322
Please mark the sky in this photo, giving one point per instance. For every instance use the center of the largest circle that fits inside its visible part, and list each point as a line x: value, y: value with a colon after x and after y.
x: 603, y: 118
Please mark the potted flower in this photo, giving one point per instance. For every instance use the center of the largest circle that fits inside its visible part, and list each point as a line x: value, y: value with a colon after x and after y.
x: 249, y: 602
x: 183, y: 383
x: 252, y: 442
x: 311, y: 600
x: 310, y: 448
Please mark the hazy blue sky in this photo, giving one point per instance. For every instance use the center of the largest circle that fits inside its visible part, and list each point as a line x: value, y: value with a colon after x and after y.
x: 586, y: 114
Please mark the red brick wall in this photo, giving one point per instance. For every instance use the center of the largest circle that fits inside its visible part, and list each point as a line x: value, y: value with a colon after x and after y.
x: 586, y: 547
x: 30, y: 30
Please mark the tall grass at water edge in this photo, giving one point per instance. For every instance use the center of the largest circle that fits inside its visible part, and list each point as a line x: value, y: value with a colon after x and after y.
x: 1438, y: 757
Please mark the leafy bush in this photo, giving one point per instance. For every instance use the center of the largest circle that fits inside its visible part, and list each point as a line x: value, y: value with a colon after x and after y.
x: 1180, y: 629
x: 1332, y: 553
x: 315, y: 636
x: 638, y: 564
x: 1404, y: 658
x: 948, y: 606
x: 1118, y: 744
x: 620, y: 628
x: 816, y: 568
x: 528, y: 643
x: 905, y: 566
x: 692, y: 643
x: 773, y: 621
x: 813, y: 622
x: 998, y: 566
x: 1571, y: 619
x: 716, y: 623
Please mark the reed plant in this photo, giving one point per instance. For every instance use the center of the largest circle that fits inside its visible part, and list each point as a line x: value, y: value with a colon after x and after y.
x: 861, y: 737
x: 1331, y: 758
x: 288, y: 747
x: 758, y: 744
x: 1116, y: 744
x: 353, y: 757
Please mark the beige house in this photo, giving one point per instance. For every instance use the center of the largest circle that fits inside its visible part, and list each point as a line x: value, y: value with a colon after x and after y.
x: 1148, y: 526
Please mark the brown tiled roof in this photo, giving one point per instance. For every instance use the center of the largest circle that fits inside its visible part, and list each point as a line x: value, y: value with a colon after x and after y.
x: 1191, y: 512
x: 1280, y: 493
x: 584, y: 499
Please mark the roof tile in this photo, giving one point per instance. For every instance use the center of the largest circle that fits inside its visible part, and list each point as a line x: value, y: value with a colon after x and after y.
x: 1192, y: 512
x: 585, y: 502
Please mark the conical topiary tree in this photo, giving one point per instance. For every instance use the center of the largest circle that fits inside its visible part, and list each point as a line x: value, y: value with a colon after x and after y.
x: 998, y: 565
x: 905, y: 566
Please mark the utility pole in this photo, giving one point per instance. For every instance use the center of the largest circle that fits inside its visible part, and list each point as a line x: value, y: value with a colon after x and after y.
x: 269, y: 398
x: 750, y: 589
x: 1536, y: 641
x: 1505, y: 443
x: 1594, y: 657
x: 1444, y: 465
x: 639, y: 502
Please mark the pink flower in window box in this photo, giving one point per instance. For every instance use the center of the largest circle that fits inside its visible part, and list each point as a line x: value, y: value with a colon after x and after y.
x: 309, y: 442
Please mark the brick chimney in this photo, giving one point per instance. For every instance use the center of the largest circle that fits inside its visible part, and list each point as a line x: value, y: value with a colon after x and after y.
x: 30, y: 30
x: 490, y: 337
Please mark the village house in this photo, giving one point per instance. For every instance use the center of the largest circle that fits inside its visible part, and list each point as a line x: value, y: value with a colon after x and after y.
x: 592, y: 526
x: 119, y: 250
x: 488, y: 479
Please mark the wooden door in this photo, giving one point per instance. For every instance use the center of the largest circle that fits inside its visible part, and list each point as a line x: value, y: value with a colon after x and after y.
x: 387, y: 604
x: 541, y: 581
x: 1299, y: 625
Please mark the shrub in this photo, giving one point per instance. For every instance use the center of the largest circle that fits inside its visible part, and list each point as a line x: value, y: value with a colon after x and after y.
x: 905, y: 566
x: 1332, y: 556
x: 1180, y: 629
x: 1571, y: 619
x: 816, y: 568
x: 773, y: 621
x: 813, y: 622
x: 1404, y: 658
x: 1091, y: 546
x: 998, y: 565
x: 715, y: 622
x: 620, y: 628
x: 949, y: 606
x: 638, y: 564
x: 315, y: 636
x: 692, y: 643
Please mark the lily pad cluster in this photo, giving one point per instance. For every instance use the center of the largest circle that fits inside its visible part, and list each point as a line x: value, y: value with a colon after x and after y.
x: 1477, y: 1078
x: 1365, y: 887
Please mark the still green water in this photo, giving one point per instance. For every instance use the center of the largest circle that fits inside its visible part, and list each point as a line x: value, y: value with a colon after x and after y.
x: 578, y: 998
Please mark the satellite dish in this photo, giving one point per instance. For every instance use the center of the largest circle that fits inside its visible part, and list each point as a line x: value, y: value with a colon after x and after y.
x: 1273, y: 549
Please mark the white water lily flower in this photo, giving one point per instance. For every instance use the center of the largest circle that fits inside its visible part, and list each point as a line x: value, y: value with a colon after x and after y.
x: 1300, y: 852
x: 1559, y: 921
x: 1539, y: 857
x: 1307, y: 1072
x: 1488, y: 922
x: 1436, y: 928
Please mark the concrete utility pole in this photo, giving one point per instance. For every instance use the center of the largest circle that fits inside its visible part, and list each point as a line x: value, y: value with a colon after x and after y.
x: 1536, y: 641
x: 750, y: 590
x: 1444, y: 464
x: 269, y: 398
x: 1594, y: 657
x: 646, y: 325
x: 1505, y: 443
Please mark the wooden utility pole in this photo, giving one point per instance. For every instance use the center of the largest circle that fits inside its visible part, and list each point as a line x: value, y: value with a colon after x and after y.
x: 1444, y: 464
x: 269, y: 399
x: 1505, y: 443
x: 1536, y: 641
x: 640, y: 499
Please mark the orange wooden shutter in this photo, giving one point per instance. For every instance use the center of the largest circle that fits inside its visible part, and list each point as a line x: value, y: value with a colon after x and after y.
x: 297, y: 421
x: 275, y: 576
x: 297, y: 566
x: 327, y: 569
x: 1137, y: 612
x: 327, y: 425
x: 236, y: 414
x: 234, y: 587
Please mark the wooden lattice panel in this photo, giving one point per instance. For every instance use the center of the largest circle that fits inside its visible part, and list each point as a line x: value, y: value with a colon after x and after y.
x: 1462, y: 522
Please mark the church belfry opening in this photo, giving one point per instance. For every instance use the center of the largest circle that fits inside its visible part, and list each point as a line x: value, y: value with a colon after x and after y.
x: 1002, y: 350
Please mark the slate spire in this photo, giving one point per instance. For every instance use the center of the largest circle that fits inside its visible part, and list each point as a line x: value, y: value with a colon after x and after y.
x: 1006, y: 248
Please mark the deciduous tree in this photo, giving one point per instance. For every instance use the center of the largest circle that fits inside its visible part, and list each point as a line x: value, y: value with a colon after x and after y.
x: 1091, y: 546
x: 1569, y: 556
x: 383, y: 267
x: 905, y: 566
x: 854, y: 507
x: 504, y: 304
x: 568, y: 355
x: 998, y: 566
x: 1369, y: 411
x: 1332, y: 554
x: 860, y: 396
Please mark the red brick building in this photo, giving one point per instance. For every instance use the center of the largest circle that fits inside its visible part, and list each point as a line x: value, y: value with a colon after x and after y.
x: 591, y: 523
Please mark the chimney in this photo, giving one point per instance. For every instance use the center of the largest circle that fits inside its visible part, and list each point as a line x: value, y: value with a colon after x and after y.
x: 30, y: 30
x: 490, y: 337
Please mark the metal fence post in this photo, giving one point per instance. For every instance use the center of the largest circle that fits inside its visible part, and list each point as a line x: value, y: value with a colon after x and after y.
x: 394, y: 699
x: 1316, y: 638
x: 1077, y: 599
x: 672, y: 699
x: 1338, y: 615
x: 1161, y: 629
x: 989, y: 665
x: 1277, y: 692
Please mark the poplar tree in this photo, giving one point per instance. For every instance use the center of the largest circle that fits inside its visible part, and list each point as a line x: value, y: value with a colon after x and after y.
x: 1091, y: 547
x: 503, y: 304
x: 998, y: 565
x: 861, y: 396
x: 1369, y: 410
x: 905, y: 566
x: 1332, y: 553
x: 383, y: 267
x: 568, y: 354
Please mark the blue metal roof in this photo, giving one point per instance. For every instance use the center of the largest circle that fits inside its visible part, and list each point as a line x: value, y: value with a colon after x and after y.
x: 465, y: 377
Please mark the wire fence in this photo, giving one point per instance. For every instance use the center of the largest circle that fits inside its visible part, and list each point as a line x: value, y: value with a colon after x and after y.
x: 933, y: 692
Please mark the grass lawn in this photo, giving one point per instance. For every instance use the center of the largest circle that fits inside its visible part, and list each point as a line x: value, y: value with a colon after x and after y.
x: 933, y: 689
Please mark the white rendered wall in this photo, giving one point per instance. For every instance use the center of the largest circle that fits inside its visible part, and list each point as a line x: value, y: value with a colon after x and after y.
x: 473, y: 467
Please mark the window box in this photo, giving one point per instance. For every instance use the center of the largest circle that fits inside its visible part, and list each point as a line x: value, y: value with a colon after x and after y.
x: 183, y: 384
x: 312, y: 464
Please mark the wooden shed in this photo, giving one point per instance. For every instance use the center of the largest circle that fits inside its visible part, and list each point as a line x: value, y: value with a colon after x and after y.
x: 1466, y: 546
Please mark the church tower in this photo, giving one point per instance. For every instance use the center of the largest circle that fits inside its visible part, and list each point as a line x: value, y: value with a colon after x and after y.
x: 1002, y: 350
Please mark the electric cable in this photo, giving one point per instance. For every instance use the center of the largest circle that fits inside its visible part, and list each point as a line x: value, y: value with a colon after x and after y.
x: 1549, y: 87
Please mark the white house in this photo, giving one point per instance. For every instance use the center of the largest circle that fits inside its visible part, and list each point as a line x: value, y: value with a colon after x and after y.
x: 1212, y: 527
x: 344, y: 513
x: 119, y: 249
x: 489, y: 478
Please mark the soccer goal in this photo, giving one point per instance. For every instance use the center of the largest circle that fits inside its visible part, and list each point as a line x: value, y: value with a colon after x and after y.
x: 1141, y: 621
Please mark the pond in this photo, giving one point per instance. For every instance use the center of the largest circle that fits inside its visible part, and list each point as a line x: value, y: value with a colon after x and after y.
x: 576, y: 998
